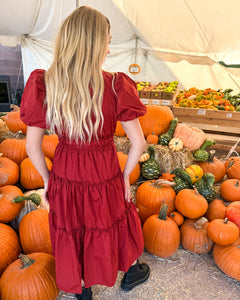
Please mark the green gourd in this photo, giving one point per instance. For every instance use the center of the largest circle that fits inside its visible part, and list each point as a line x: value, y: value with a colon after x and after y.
x: 165, y: 138
x: 183, y: 175
x: 180, y: 184
x: 150, y: 169
x: 201, y: 154
x: 205, y: 186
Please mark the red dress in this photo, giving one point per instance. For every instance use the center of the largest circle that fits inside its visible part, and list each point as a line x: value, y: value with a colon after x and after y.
x: 94, y: 231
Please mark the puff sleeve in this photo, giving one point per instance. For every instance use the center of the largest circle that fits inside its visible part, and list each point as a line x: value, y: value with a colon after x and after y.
x: 32, y: 108
x: 129, y: 106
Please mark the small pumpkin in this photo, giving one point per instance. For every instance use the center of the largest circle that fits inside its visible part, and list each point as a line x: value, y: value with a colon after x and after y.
x: 30, y: 277
x: 194, y: 236
x: 195, y: 172
x: 232, y: 166
x: 151, y: 195
x: 152, y: 138
x: 122, y: 158
x: 227, y: 258
x: 216, y: 210
x: 119, y: 131
x: 14, y: 122
x: 175, y: 144
x: 9, y: 246
x: 191, y: 204
x: 222, y: 231
x: 230, y: 190
x: 233, y: 213
x: 177, y: 217
x: 161, y: 234
x: 49, y: 144
x: 9, y: 171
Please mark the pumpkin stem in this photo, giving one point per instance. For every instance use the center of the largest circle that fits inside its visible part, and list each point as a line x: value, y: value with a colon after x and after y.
x: 225, y: 221
x: 19, y: 135
x: 196, y: 190
x: 211, y: 155
x: 27, y: 261
x: 15, y: 107
x: 160, y: 182
x: 199, y: 223
x: 163, y: 212
x: 237, y: 184
x: 35, y: 198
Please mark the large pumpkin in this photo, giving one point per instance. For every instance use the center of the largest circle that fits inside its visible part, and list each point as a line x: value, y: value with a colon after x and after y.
x: 194, y: 236
x: 31, y: 277
x: 151, y: 195
x: 9, y: 246
x: 214, y: 166
x: 161, y: 234
x: 29, y: 176
x: 230, y: 190
x: 157, y: 119
x: 122, y: 158
x: 227, y: 258
x: 233, y: 213
x: 216, y: 210
x: 14, y: 122
x: 49, y: 144
x: 233, y: 167
x: 192, y: 137
x: 14, y: 149
x: 9, y: 171
x: 8, y: 209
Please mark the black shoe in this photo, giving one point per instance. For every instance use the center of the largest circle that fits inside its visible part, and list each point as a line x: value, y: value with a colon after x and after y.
x: 86, y: 294
x: 136, y: 274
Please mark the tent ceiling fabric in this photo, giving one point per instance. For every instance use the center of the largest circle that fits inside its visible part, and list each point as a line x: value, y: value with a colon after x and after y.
x: 177, y: 39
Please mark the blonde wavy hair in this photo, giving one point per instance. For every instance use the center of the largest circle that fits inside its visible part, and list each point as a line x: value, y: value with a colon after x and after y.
x: 74, y: 81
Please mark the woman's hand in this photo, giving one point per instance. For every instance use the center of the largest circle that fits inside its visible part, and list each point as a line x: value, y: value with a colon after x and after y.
x: 127, y: 189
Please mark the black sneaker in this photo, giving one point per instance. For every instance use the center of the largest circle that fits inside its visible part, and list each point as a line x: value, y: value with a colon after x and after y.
x: 86, y: 294
x: 136, y: 274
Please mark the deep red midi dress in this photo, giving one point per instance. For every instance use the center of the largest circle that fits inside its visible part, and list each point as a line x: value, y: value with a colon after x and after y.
x: 94, y: 231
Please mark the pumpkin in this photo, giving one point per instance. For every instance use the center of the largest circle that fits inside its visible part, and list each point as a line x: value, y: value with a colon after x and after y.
x: 230, y: 190
x: 8, y: 209
x: 157, y: 119
x: 122, y: 158
x: 194, y: 236
x: 216, y: 210
x: 227, y: 258
x: 152, y: 138
x: 15, y: 148
x: 222, y: 231
x: 29, y: 176
x: 195, y: 172
x: 13, y: 121
x: 191, y: 204
x: 233, y: 213
x: 30, y: 277
x: 9, y: 246
x: 151, y: 195
x: 214, y: 166
x: 34, y: 232
x: 161, y: 234
x: 119, y: 131
x: 49, y: 144
x: 192, y: 137
x: 232, y: 166
x: 144, y: 157
x: 175, y: 144
x: 177, y: 217
x: 9, y: 171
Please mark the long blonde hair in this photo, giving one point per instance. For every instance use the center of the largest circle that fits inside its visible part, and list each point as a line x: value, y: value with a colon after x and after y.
x: 74, y: 81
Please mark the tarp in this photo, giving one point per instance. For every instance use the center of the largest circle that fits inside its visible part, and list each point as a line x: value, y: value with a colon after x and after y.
x: 180, y: 40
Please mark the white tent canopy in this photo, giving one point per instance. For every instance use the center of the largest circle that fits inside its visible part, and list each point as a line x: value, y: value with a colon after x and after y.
x: 171, y: 40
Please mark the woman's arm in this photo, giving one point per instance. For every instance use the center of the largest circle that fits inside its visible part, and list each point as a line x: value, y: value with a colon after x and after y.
x: 134, y: 132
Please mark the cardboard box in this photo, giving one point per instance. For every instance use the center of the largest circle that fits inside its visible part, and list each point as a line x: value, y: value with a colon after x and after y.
x: 144, y: 94
x: 156, y: 95
x: 170, y: 96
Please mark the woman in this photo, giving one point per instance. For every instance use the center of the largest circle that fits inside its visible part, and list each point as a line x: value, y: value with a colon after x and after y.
x: 94, y: 227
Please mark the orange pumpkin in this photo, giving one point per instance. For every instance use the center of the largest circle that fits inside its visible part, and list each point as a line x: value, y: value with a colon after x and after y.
x: 230, y: 190
x: 194, y: 236
x: 233, y: 213
x: 161, y: 234
x: 227, y: 258
x: 14, y: 149
x: 9, y: 171
x: 157, y: 120
x: 232, y: 166
x: 34, y: 232
x: 151, y: 195
x: 152, y: 138
x: 29, y: 177
x: 8, y: 209
x: 222, y: 231
x: 14, y: 122
x: 216, y: 210
x: 214, y: 166
x: 177, y: 217
x: 119, y: 131
x: 9, y: 247
x: 122, y: 158
x: 191, y: 204
x: 192, y: 137
x: 49, y: 144
x: 30, y: 277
